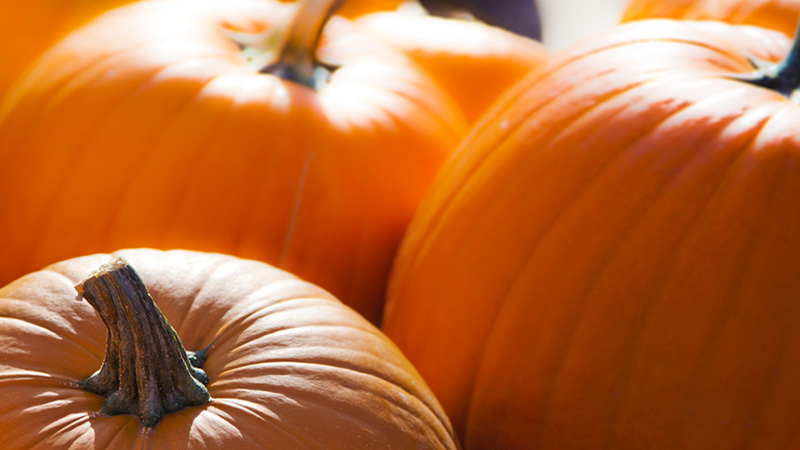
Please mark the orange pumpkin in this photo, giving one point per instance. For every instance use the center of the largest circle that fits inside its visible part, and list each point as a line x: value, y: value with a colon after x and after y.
x: 473, y: 62
x: 781, y: 15
x: 611, y: 259
x: 27, y: 29
x: 288, y: 366
x: 149, y: 127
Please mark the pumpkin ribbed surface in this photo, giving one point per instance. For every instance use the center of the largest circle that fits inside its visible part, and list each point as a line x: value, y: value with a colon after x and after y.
x: 290, y: 366
x: 610, y: 260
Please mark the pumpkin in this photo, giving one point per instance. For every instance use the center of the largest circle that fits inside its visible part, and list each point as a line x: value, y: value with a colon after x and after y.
x: 30, y: 28
x: 286, y: 365
x: 472, y: 61
x: 152, y: 126
x: 611, y: 258
x: 781, y: 15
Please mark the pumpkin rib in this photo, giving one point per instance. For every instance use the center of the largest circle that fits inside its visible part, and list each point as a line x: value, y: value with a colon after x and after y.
x: 318, y: 402
x: 211, y: 273
x: 53, y: 334
x: 650, y: 309
x: 232, y: 328
x: 119, y: 434
x: 191, y: 179
x: 265, y: 418
x: 652, y: 304
x: 131, y: 173
x: 151, y: 151
x: 67, y: 172
x: 553, y: 224
x: 746, y: 263
x: 302, y: 363
x: 453, y: 203
x: 508, y: 134
x: 302, y: 360
x: 64, y: 427
x: 519, y: 116
x: 251, y: 408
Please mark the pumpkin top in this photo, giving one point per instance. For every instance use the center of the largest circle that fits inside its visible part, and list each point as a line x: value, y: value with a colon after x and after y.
x: 290, y: 366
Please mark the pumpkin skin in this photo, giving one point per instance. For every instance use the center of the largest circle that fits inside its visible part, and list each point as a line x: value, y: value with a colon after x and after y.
x: 473, y: 62
x: 781, y: 15
x: 291, y: 367
x: 610, y: 260
x: 188, y: 147
x: 29, y: 28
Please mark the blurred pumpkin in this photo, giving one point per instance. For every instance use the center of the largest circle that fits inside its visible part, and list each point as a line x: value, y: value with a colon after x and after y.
x: 472, y: 61
x: 152, y: 127
x: 611, y: 259
x: 286, y: 365
x: 781, y: 15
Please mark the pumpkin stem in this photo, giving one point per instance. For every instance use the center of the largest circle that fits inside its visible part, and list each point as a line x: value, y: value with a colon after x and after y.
x: 146, y: 370
x: 295, y: 58
x: 783, y: 76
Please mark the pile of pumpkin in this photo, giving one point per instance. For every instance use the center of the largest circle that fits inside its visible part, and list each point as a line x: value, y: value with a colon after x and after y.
x: 354, y: 225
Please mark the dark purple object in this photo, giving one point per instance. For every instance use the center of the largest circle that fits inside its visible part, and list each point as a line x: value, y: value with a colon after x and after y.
x: 519, y: 16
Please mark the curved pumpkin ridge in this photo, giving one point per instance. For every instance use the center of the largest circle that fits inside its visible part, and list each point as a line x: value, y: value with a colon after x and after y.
x: 620, y: 97
x: 659, y: 296
x: 590, y: 286
x: 510, y: 311
x: 459, y: 173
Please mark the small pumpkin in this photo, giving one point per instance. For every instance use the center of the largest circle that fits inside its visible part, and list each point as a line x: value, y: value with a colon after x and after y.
x: 201, y: 125
x: 472, y: 61
x: 611, y: 259
x: 285, y: 364
x: 781, y: 15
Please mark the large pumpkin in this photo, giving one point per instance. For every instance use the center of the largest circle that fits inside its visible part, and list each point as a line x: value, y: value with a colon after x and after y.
x: 781, y: 15
x: 150, y: 127
x: 472, y: 61
x: 611, y: 260
x: 288, y: 367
